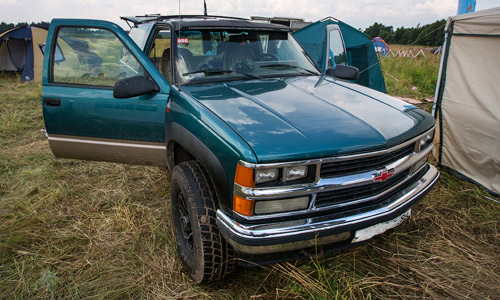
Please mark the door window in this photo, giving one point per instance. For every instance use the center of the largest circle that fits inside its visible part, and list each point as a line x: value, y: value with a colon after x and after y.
x: 91, y: 56
x: 160, y: 53
x: 336, y: 54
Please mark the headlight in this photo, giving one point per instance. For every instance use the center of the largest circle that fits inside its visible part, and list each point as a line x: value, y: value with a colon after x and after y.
x: 293, y: 173
x: 423, y: 141
x: 260, y: 176
x: 430, y: 135
x: 266, y: 175
x: 250, y: 178
x: 426, y: 140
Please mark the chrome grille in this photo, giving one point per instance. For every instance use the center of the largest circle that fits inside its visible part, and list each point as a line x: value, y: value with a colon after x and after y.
x: 366, y: 191
x: 360, y: 165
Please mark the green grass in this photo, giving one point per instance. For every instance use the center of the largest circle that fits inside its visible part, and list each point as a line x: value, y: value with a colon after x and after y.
x: 77, y: 229
x: 402, y: 74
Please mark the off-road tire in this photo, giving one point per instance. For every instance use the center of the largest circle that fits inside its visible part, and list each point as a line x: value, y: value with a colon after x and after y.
x: 204, y: 252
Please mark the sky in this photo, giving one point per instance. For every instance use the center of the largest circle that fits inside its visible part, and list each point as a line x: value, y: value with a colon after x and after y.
x: 357, y: 13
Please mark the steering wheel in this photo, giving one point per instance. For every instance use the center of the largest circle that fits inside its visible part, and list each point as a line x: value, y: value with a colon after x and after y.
x: 267, y: 57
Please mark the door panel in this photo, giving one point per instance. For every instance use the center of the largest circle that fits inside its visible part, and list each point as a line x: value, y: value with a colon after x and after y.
x: 82, y: 118
x: 95, y: 113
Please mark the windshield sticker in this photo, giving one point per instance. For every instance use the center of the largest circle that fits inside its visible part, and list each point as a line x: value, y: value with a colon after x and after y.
x: 183, y: 41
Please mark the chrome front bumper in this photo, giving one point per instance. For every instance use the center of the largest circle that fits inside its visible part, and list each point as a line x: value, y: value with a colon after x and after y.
x: 326, y: 229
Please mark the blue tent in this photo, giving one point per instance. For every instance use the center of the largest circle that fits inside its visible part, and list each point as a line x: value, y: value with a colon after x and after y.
x: 21, y: 51
x: 360, y: 51
x: 380, y: 46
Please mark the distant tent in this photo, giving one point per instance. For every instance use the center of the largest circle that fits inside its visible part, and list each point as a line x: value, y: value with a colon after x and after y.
x: 84, y: 53
x: 380, y: 46
x: 21, y: 49
x: 360, y: 51
x: 467, y: 105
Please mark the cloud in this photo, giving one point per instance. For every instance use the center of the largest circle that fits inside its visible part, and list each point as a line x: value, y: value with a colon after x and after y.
x: 438, y: 7
x: 358, y: 13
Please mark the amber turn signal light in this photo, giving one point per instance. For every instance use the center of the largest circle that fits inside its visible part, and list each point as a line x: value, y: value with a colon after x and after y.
x: 244, y: 176
x: 243, y: 206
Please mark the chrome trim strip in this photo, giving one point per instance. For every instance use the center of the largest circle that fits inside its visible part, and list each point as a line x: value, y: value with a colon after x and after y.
x: 334, y: 158
x: 322, y: 223
x: 158, y: 146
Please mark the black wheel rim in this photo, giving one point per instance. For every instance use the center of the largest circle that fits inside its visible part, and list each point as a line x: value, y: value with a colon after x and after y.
x: 187, y: 231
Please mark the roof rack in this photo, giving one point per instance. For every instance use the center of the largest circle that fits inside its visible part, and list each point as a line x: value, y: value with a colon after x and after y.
x: 155, y: 17
x: 201, y: 17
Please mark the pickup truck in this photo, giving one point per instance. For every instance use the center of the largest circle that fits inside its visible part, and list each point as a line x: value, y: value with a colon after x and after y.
x: 270, y: 160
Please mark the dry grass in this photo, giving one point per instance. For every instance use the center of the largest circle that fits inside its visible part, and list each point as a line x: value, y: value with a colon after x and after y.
x: 76, y: 229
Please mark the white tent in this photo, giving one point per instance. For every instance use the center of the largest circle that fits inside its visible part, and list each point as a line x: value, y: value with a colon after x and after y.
x: 467, y: 105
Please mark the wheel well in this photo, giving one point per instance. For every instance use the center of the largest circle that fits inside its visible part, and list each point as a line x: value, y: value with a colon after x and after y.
x: 177, y: 154
x: 178, y: 151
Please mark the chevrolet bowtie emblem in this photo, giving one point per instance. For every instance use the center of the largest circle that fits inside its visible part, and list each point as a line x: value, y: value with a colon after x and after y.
x: 383, y: 175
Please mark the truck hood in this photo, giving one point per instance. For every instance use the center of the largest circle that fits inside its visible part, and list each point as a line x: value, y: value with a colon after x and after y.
x: 310, y: 117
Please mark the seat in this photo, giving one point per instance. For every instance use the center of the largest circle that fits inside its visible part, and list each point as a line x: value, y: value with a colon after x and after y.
x: 254, y: 44
x: 188, y: 57
x: 237, y: 54
x: 166, y: 65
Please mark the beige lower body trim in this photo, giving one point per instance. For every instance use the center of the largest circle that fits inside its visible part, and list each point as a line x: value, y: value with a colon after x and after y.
x: 120, y: 151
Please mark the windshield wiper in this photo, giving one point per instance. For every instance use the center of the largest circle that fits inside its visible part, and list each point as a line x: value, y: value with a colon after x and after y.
x: 249, y: 75
x: 209, y: 72
x: 287, y: 66
x: 212, y: 72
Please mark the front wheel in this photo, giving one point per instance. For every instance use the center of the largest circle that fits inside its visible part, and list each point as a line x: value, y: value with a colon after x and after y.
x: 205, y: 253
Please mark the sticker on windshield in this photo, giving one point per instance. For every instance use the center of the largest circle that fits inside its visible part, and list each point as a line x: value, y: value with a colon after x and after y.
x: 183, y: 41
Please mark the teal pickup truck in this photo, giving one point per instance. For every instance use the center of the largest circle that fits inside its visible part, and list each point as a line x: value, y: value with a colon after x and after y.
x: 270, y: 159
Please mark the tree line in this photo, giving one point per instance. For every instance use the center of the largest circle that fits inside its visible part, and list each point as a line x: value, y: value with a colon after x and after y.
x: 427, y: 35
x: 6, y: 26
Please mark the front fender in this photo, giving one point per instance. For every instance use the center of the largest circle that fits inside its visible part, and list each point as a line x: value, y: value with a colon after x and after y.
x: 202, y: 153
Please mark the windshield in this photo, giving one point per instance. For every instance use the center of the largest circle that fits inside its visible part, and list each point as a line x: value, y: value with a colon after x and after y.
x: 207, y: 56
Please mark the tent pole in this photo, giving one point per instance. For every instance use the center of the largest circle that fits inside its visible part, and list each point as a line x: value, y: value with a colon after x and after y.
x: 1, y: 57
x: 440, y: 74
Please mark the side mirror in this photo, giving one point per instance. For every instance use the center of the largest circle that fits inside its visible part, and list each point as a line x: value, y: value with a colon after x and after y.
x: 134, y: 86
x: 344, y: 72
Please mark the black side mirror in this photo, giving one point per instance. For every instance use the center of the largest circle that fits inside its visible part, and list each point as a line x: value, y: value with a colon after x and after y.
x: 344, y: 72
x: 134, y: 86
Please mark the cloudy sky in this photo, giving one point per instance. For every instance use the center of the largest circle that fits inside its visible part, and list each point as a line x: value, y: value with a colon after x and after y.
x: 358, y: 13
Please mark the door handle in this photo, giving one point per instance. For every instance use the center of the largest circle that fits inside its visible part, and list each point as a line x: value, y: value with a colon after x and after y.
x: 54, y: 102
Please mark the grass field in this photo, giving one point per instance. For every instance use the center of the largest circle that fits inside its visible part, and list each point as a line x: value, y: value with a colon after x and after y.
x: 413, y: 77
x: 77, y: 229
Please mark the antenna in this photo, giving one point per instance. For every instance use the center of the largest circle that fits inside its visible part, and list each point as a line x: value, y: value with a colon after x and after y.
x: 176, y: 50
x: 179, y: 19
x: 205, y: 6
